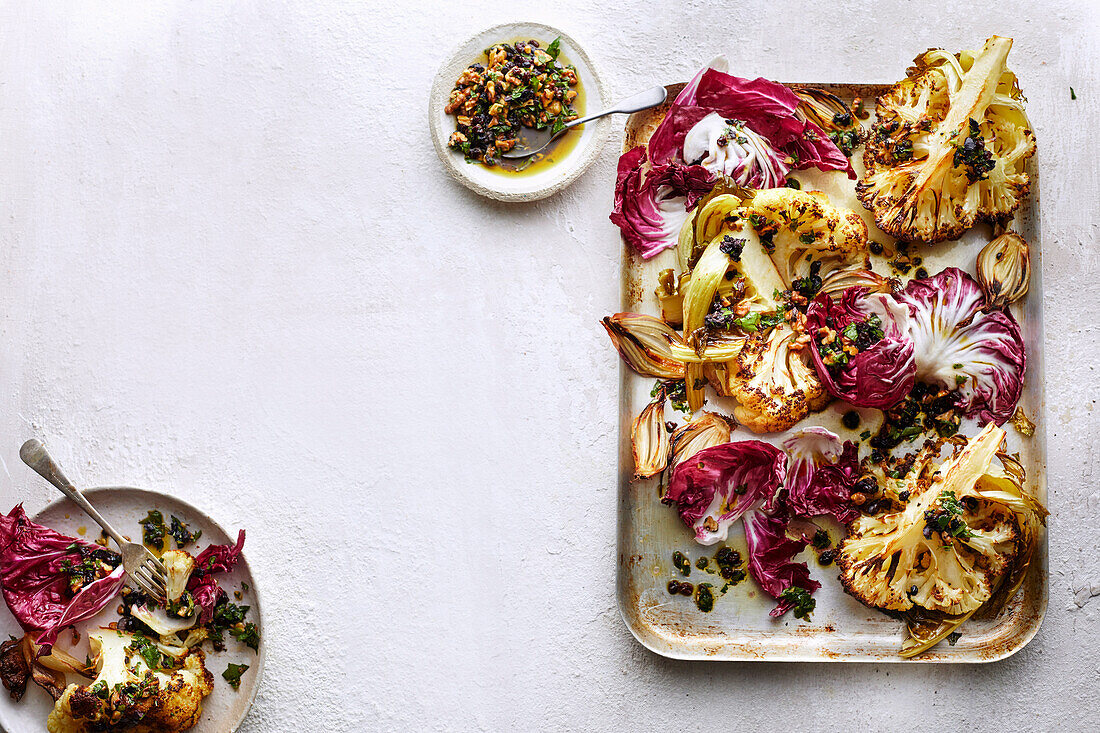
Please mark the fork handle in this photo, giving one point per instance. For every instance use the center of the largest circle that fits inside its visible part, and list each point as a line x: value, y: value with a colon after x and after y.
x: 35, y: 455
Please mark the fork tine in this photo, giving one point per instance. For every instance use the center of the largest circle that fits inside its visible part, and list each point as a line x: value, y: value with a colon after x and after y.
x: 157, y: 564
x: 143, y: 586
x: 148, y: 583
x: 158, y: 578
x: 151, y: 579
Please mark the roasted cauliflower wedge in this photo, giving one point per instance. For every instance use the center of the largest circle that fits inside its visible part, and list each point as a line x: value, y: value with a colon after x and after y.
x: 949, y: 146
x: 766, y: 240
x: 128, y: 694
x: 965, y: 533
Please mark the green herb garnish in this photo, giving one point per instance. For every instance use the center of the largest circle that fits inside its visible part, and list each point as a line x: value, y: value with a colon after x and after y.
x: 249, y: 635
x: 232, y: 674
x: 154, y: 529
x: 804, y: 603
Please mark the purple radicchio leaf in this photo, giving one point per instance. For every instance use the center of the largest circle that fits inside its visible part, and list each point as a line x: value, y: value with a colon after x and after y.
x: 718, y: 485
x: 962, y: 347
x: 767, y: 108
x: 821, y: 473
x: 878, y: 376
x: 771, y: 554
x: 37, y: 586
x: 203, y: 585
x: 651, y: 205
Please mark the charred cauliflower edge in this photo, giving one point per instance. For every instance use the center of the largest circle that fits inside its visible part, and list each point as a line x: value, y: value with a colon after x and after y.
x: 949, y: 146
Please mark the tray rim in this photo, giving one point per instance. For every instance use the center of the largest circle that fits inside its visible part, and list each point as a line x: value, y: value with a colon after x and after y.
x: 1036, y: 368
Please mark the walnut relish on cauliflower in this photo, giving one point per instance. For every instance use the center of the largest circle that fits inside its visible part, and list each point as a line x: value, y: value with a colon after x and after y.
x: 145, y: 672
x: 771, y: 305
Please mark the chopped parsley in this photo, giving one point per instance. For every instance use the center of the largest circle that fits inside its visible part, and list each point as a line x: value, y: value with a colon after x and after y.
x: 229, y: 614
x: 855, y: 337
x: 803, y: 604
x: 947, y: 520
x: 148, y: 651
x: 249, y: 635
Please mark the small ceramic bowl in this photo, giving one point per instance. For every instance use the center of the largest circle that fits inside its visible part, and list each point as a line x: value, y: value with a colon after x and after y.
x: 546, y: 179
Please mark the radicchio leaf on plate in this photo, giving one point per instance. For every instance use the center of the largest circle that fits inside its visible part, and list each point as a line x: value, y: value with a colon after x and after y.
x: 962, y: 347
x: 652, y: 204
x: 766, y: 107
x: 203, y: 586
x: 821, y: 472
x: 718, y: 485
x: 731, y: 149
x: 770, y: 557
x: 36, y: 584
x: 878, y: 376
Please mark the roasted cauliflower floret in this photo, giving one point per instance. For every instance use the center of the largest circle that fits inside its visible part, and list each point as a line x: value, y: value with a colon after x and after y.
x: 761, y: 242
x: 949, y: 146
x: 179, y: 565
x: 800, y: 227
x: 784, y: 230
x: 128, y: 694
x: 773, y: 383
x: 963, y: 528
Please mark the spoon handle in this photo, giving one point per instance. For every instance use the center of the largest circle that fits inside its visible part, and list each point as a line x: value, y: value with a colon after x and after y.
x: 635, y: 103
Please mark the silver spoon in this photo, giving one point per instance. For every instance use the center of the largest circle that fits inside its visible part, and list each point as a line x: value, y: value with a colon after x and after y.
x: 533, y: 141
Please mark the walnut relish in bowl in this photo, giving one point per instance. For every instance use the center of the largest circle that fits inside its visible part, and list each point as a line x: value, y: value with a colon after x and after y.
x: 519, y: 85
x: 508, y: 83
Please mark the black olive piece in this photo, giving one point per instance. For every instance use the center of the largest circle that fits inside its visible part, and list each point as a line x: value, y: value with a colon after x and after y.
x: 867, y: 485
x: 876, y: 506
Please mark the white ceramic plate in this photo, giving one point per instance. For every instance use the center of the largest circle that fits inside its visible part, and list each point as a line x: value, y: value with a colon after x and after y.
x: 530, y: 186
x: 124, y: 507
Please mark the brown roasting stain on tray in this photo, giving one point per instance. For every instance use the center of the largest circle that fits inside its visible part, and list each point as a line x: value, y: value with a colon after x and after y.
x: 739, y: 628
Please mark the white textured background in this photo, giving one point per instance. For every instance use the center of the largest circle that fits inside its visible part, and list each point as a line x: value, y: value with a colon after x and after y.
x: 232, y: 268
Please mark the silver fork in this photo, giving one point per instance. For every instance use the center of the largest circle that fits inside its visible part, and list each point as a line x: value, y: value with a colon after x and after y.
x: 142, y: 566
